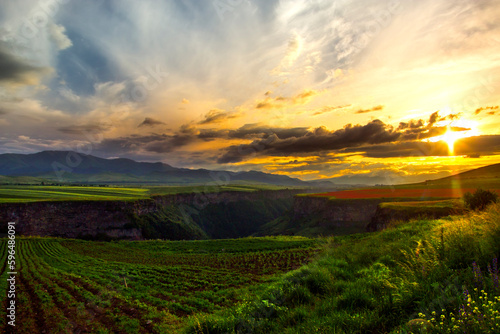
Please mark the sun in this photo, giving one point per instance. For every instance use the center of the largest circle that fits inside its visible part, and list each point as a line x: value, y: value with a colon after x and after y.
x: 455, y: 130
x: 450, y: 137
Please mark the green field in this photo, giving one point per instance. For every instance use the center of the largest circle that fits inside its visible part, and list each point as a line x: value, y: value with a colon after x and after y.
x: 428, y: 207
x: 17, y: 193
x: 13, y: 194
x: 66, y: 286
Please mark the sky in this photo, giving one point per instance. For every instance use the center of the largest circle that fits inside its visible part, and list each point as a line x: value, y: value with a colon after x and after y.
x: 359, y: 90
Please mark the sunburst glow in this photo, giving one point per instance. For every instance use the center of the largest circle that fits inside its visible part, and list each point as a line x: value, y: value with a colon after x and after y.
x: 450, y: 137
x: 456, y: 130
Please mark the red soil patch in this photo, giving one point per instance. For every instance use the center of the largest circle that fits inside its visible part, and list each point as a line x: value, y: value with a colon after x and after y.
x: 398, y: 193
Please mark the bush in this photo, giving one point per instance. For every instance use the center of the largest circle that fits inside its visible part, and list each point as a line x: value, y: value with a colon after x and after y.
x: 480, y: 199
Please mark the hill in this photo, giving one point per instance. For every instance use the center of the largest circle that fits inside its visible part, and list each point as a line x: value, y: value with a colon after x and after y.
x: 487, y: 172
x: 68, y: 166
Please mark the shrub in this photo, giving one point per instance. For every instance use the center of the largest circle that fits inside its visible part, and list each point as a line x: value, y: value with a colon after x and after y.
x: 480, y: 199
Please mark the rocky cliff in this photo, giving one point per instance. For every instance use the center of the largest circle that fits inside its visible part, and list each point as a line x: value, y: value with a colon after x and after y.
x: 114, y: 219
x: 335, y: 211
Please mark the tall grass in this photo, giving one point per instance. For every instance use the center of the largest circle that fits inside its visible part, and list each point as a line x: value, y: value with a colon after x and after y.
x: 377, y: 283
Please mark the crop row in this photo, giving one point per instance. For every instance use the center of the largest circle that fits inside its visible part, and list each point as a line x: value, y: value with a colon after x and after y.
x: 63, y: 290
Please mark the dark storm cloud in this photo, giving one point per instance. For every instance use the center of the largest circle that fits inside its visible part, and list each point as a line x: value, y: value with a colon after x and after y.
x: 186, y: 134
x: 322, y: 140
x: 258, y: 130
x: 418, y: 129
x: 435, y: 117
x: 412, y: 124
x: 86, y: 128
x: 401, y: 149
x: 250, y: 131
x: 15, y: 70
x: 319, y: 139
x: 483, y: 145
x: 471, y: 146
x: 363, y: 111
x: 158, y: 143
x: 148, y: 121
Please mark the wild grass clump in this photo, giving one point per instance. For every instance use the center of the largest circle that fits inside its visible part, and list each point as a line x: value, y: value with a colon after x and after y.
x: 480, y: 199
x: 479, y: 310
x: 452, y: 286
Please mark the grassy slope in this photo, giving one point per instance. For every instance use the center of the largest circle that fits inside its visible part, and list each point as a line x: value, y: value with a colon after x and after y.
x: 376, y: 283
x: 486, y: 178
x: 438, y: 208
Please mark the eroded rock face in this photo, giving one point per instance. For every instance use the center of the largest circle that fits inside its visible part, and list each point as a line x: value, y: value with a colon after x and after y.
x: 81, y: 219
x: 335, y: 211
x: 70, y: 219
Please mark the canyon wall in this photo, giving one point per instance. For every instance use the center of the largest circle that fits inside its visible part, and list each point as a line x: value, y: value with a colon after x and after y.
x: 113, y: 219
x: 338, y: 212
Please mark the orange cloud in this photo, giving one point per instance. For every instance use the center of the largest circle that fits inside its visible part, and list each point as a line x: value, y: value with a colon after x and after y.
x: 282, y: 102
x: 478, y: 110
x: 376, y: 108
x: 326, y: 109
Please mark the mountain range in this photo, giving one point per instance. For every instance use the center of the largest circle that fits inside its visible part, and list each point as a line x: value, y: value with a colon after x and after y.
x: 69, y: 166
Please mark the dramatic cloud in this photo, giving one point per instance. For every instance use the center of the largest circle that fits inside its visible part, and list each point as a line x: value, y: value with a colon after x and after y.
x: 85, y: 128
x: 217, y: 116
x: 363, y: 111
x: 17, y: 71
x: 261, y: 78
x: 148, y: 121
x: 471, y: 146
x: 156, y: 143
x: 259, y: 130
x: 320, y: 139
x: 435, y: 118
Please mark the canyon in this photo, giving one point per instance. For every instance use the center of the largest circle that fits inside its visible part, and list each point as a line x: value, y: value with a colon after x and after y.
x: 227, y: 214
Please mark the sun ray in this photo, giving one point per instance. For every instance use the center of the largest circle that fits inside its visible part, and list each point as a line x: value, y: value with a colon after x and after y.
x: 465, y: 129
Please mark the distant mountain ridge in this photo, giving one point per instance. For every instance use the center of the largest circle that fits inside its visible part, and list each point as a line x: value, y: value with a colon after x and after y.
x: 69, y: 166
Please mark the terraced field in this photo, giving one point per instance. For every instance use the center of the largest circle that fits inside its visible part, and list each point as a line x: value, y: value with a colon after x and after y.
x: 74, y: 286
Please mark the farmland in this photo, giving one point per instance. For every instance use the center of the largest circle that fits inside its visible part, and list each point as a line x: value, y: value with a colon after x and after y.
x: 154, y: 286
x: 13, y: 194
x: 25, y: 193
x: 397, y: 193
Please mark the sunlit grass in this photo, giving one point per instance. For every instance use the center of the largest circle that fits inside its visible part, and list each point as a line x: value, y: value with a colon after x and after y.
x: 379, y: 282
